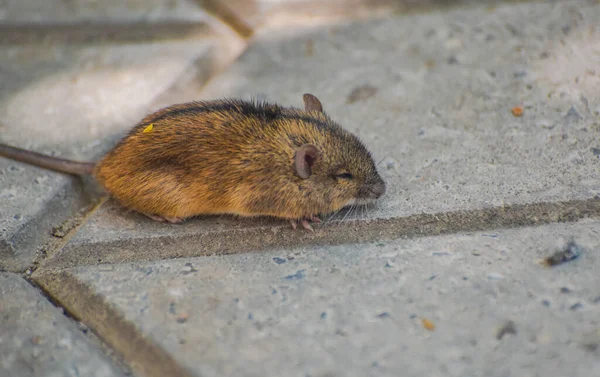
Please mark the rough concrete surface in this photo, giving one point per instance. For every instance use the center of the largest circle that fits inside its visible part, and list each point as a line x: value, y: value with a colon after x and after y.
x: 432, y: 95
x: 484, y: 121
x: 477, y: 304
x: 54, y: 11
x: 75, y: 101
x: 37, y: 340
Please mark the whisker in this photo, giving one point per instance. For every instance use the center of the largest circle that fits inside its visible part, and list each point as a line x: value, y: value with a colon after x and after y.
x: 349, y: 211
x: 379, y: 163
x: 333, y: 215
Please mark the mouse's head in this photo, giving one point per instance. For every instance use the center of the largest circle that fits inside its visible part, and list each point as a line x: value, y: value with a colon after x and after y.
x: 336, y: 165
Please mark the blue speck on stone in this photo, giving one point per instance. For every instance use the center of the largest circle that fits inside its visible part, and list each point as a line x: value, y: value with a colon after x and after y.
x: 412, y: 316
x: 297, y: 276
x: 595, y: 151
x: 383, y: 315
x: 250, y: 316
x: 374, y: 364
x: 279, y: 260
x: 440, y: 253
x: 432, y: 277
x: 387, y: 265
x: 576, y: 306
x: 273, y: 291
x: 145, y: 270
x: 572, y: 115
x: 492, y: 235
x: 323, y: 315
x: 546, y: 303
x: 495, y: 276
x: 236, y: 300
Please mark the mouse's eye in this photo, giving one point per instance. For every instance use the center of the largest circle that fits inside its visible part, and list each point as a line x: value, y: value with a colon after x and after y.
x: 344, y: 175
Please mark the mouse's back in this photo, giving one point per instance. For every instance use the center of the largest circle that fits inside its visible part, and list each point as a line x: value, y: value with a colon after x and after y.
x: 239, y: 157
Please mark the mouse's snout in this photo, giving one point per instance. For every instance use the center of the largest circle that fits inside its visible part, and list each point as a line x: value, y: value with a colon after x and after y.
x: 372, y: 190
x: 378, y: 188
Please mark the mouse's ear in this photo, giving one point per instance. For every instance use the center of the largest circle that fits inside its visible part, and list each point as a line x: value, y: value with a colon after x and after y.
x: 312, y: 103
x: 304, y: 160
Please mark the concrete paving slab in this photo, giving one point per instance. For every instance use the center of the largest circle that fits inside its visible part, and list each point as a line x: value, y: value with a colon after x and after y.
x: 56, y: 11
x: 283, y: 14
x: 76, y: 101
x: 432, y: 95
x: 456, y: 305
x: 36, y: 339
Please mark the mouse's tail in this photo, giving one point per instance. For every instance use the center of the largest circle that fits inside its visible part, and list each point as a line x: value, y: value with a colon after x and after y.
x: 46, y: 162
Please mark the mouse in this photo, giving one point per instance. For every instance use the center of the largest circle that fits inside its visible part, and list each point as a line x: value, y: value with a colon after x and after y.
x: 231, y: 156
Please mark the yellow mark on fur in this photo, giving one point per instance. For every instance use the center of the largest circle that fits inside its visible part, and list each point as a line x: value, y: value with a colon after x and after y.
x: 149, y: 128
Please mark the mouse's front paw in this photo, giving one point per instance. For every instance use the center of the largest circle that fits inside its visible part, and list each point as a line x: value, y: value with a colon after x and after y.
x: 305, y: 223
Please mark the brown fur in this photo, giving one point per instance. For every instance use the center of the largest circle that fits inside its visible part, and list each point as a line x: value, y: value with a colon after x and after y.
x: 237, y: 157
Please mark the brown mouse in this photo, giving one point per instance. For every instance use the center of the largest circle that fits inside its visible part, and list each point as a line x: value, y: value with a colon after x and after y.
x: 231, y: 157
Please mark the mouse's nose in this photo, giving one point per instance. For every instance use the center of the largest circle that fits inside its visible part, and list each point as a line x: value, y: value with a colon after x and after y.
x: 378, y: 189
x: 373, y: 189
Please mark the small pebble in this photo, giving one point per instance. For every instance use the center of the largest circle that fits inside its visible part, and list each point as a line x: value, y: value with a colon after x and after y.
x: 568, y: 253
x: 279, y: 260
x: 427, y: 324
x: 508, y: 328
x: 576, y: 306
x: 297, y: 276
x: 591, y: 341
x: 182, y: 318
x: 572, y: 115
x: 517, y: 111
x: 361, y: 93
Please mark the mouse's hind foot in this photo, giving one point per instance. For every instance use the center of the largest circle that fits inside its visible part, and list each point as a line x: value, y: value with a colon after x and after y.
x: 162, y: 219
x: 305, y: 223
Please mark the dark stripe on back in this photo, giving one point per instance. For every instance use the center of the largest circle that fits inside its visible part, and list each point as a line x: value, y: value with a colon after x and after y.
x: 264, y: 111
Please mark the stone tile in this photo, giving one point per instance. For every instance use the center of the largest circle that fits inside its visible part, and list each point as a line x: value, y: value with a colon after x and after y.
x: 36, y: 339
x: 31, y: 11
x: 268, y: 15
x: 463, y: 304
x: 76, y: 101
x: 432, y: 96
